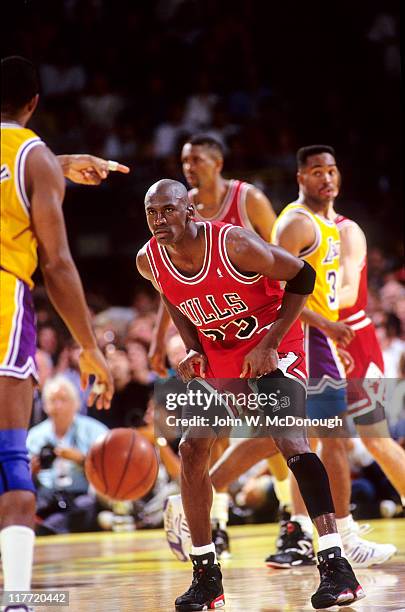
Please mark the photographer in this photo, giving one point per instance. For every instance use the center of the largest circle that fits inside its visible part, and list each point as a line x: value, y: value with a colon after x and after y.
x: 58, y: 447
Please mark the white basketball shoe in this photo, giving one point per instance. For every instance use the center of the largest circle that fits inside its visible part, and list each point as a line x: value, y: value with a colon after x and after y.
x: 176, y: 528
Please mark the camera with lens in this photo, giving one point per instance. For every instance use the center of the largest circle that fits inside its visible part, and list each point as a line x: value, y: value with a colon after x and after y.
x: 47, y: 456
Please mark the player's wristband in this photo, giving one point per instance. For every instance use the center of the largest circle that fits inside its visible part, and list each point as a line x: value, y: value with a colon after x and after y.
x: 303, y: 283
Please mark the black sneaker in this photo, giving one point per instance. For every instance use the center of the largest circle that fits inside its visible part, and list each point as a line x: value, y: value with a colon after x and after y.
x: 221, y: 540
x: 284, y: 517
x: 206, y: 591
x: 338, y: 584
x: 294, y: 548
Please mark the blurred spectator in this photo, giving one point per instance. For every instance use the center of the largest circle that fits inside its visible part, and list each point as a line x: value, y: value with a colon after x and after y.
x: 198, y: 112
x: 131, y: 397
x: 376, y: 267
x: 139, y: 364
x: 68, y: 365
x: 111, y: 325
x: 168, y: 133
x: 61, y: 77
x: 391, y: 345
x: 145, y: 302
x: 49, y: 340
x: 58, y: 447
x: 45, y: 369
x: 391, y: 292
x: 140, y: 329
x: 100, y: 105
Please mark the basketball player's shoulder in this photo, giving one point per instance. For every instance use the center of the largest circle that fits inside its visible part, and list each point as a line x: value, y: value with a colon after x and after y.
x: 142, y: 261
x: 349, y: 229
x: 295, y: 217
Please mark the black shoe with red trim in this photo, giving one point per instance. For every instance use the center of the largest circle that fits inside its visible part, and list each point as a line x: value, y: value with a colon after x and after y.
x: 294, y: 548
x: 206, y: 591
x: 339, y: 585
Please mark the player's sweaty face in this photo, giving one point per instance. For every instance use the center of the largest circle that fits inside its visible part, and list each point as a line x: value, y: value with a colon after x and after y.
x: 199, y: 166
x: 320, y: 178
x: 166, y: 216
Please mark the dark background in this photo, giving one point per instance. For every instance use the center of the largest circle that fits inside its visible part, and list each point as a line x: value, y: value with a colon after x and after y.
x: 282, y: 75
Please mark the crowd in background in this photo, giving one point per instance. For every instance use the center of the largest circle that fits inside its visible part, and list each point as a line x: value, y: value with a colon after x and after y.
x: 131, y: 81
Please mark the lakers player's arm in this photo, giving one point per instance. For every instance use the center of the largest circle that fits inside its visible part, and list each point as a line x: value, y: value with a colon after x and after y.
x: 249, y: 254
x: 296, y: 233
x: 353, y: 250
x: 188, y: 332
x: 87, y: 169
x: 260, y: 212
x: 45, y: 189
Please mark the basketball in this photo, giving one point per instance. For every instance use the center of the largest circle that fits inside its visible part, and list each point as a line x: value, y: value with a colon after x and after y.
x: 123, y: 465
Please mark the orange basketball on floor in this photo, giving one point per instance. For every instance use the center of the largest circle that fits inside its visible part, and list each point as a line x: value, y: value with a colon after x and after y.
x: 123, y: 465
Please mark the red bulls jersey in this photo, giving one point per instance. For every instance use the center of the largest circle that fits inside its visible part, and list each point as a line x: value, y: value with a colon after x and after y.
x: 231, y: 311
x: 233, y: 207
x: 355, y: 315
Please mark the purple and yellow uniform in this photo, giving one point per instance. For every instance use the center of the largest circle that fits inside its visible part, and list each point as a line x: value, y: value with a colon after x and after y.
x: 18, y: 256
x: 327, y: 379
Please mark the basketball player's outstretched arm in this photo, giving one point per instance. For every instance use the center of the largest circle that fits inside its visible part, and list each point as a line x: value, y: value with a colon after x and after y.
x: 353, y: 250
x: 250, y: 254
x: 295, y: 234
x: 260, y: 212
x: 87, y: 169
x: 195, y: 358
x: 46, y: 190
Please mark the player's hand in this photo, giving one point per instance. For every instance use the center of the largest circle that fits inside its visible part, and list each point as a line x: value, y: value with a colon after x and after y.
x: 91, y: 361
x: 73, y: 454
x: 259, y: 361
x: 193, y: 365
x: 157, y: 360
x: 347, y: 359
x: 35, y: 464
x: 88, y: 169
x: 340, y: 333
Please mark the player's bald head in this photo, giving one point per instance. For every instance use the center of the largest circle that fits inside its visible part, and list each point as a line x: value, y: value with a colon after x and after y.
x: 167, y: 189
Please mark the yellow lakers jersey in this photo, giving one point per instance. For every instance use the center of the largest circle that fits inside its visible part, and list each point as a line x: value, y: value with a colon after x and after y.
x: 323, y: 256
x: 18, y: 246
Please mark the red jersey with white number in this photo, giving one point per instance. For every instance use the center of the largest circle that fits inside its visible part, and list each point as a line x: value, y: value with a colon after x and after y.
x: 231, y: 311
x: 363, y: 354
x: 233, y: 207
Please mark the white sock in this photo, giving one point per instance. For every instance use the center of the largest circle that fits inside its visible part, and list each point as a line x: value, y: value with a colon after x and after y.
x: 203, y: 550
x: 220, y: 509
x: 403, y: 500
x: 345, y: 525
x: 17, y: 552
x: 305, y: 522
x: 329, y: 540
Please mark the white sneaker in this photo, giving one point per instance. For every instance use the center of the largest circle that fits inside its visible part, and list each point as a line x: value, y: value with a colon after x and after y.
x: 361, y: 529
x: 362, y: 553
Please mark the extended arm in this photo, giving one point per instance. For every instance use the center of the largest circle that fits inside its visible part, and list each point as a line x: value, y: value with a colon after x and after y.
x: 353, y: 249
x: 87, y: 169
x: 260, y: 212
x: 187, y: 331
x: 249, y: 253
x: 46, y: 190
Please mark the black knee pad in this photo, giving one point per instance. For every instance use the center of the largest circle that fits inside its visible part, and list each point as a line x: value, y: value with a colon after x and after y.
x: 313, y: 483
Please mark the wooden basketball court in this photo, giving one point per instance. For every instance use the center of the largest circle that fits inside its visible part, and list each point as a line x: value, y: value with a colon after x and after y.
x: 127, y: 572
